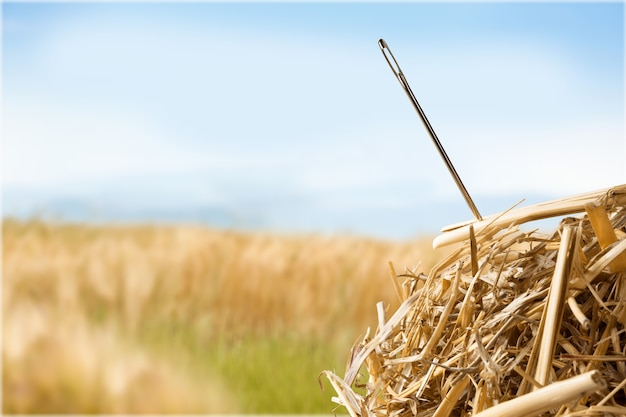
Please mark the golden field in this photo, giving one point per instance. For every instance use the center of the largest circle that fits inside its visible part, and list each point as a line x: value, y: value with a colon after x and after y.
x: 185, y: 319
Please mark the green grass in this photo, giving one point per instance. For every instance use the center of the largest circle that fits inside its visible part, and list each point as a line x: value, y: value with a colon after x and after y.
x: 268, y: 374
x: 276, y: 375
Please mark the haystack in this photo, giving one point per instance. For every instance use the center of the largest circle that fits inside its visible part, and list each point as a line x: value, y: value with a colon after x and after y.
x: 512, y: 323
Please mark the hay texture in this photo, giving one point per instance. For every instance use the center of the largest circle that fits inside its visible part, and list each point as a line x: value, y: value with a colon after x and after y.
x: 512, y: 323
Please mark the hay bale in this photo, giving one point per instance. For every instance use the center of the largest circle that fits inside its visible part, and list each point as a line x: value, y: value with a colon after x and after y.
x: 512, y: 323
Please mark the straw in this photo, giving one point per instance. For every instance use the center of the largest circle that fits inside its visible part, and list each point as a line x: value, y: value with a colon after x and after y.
x: 510, y: 323
x: 554, y: 310
x: 548, y: 397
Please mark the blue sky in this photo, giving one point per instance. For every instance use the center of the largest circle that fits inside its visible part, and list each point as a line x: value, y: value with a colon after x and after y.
x: 286, y: 116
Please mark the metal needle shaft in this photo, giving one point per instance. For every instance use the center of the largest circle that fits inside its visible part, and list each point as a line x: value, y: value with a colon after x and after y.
x: 393, y: 64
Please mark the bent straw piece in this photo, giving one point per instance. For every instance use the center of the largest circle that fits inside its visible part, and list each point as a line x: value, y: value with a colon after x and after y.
x: 350, y: 402
x: 598, y: 266
x: 584, y: 321
x: 566, y: 205
x: 548, y: 397
x: 560, y: 207
x: 601, y: 225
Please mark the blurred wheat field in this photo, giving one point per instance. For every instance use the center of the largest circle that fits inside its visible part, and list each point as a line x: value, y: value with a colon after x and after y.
x: 185, y: 319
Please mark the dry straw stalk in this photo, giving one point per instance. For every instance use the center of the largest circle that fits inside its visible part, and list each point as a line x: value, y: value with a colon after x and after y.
x: 548, y: 397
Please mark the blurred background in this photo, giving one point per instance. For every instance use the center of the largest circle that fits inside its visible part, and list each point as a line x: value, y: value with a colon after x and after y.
x: 200, y: 200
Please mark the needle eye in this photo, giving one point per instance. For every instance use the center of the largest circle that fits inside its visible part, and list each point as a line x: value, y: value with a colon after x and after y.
x: 391, y: 60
